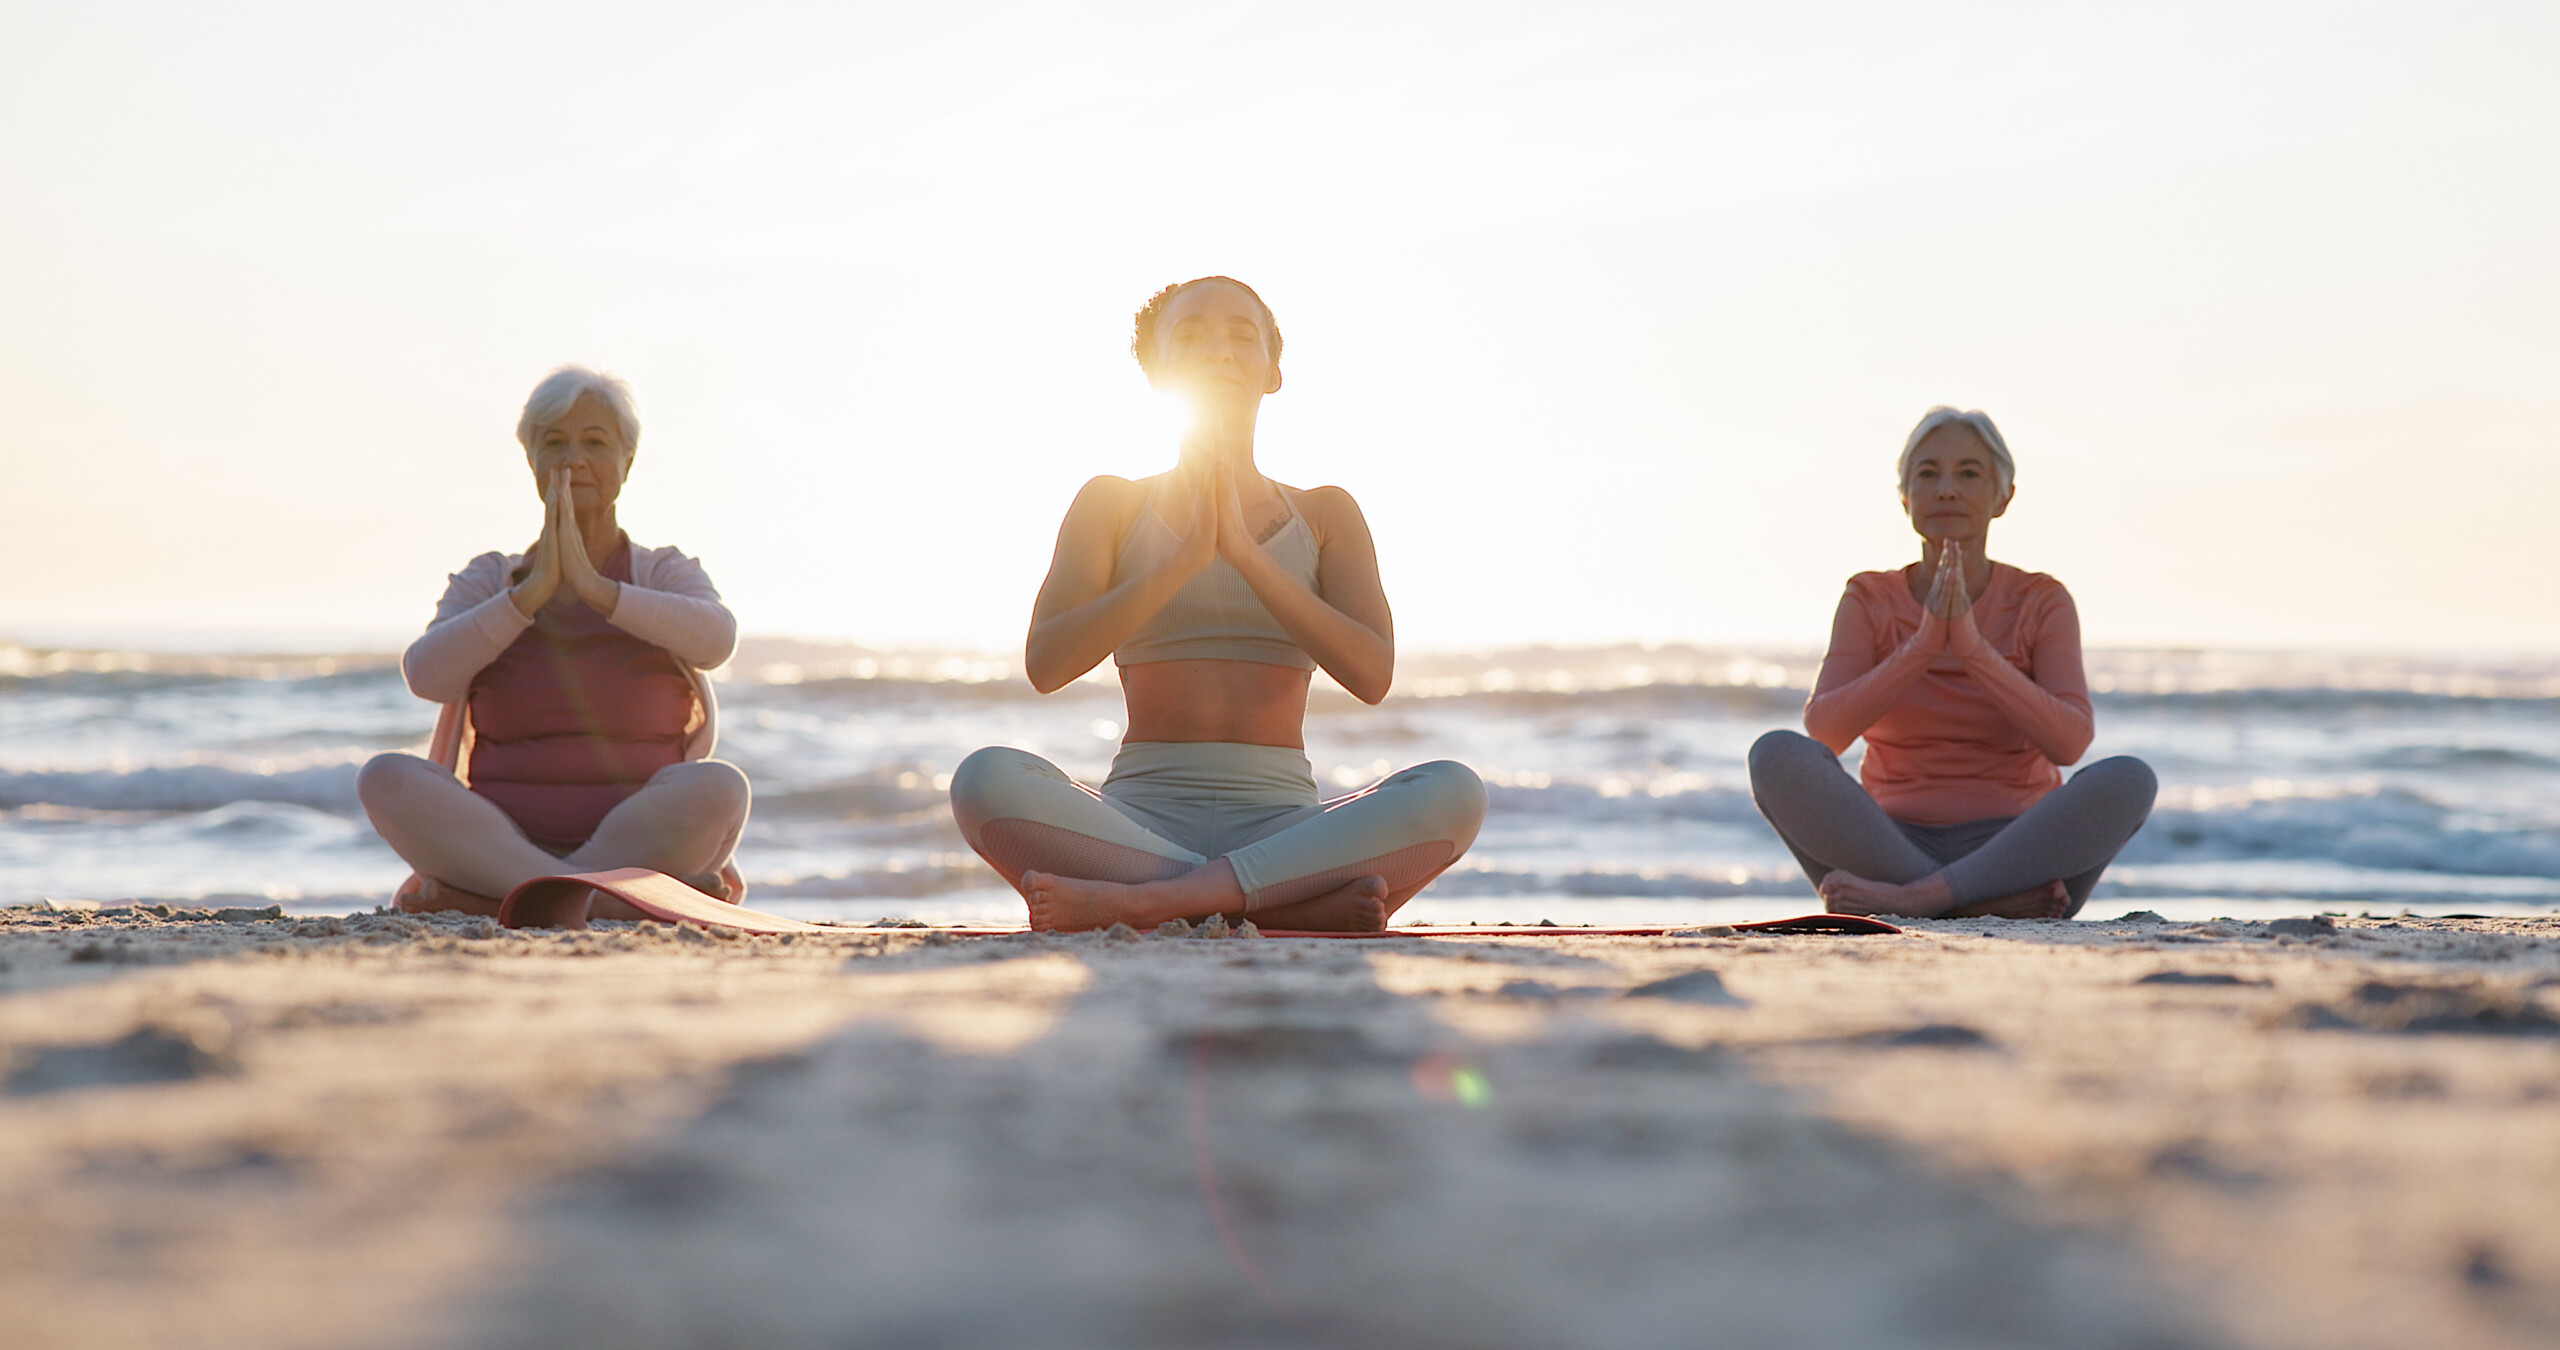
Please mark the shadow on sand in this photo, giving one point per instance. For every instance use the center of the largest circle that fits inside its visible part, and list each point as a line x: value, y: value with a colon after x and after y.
x: 1258, y: 1144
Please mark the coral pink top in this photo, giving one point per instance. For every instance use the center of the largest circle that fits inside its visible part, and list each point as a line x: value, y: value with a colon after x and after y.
x: 1946, y: 754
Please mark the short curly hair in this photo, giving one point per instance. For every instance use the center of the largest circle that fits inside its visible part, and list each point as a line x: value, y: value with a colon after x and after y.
x: 1142, y: 344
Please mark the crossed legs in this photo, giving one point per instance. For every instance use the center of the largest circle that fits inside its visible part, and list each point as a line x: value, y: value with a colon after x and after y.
x: 685, y: 821
x: 2043, y: 864
x: 1081, y: 862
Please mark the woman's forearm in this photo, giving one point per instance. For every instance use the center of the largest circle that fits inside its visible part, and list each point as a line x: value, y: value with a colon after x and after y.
x: 1839, y: 716
x: 700, y: 632
x: 439, y: 665
x: 2060, y: 728
x: 1063, y: 646
x: 1359, y: 658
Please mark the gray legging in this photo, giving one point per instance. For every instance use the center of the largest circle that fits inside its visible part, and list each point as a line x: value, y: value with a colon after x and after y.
x: 1829, y: 822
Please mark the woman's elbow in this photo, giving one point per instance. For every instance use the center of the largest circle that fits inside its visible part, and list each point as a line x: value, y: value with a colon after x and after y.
x: 1368, y: 677
x: 1046, y: 670
x: 1821, y: 729
x: 723, y: 641
x: 422, y: 683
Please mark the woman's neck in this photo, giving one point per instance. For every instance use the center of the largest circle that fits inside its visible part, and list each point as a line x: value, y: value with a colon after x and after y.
x: 602, y: 533
x: 1977, y: 561
x: 1223, y: 432
x: 1233, y: 456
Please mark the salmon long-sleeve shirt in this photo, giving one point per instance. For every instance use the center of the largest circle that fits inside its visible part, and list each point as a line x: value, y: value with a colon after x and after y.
x: 1945, y: 754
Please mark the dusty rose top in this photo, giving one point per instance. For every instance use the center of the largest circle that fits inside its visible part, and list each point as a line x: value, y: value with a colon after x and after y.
x: 574, y: 716
x: 669, y: 602
x: 1945, y: 754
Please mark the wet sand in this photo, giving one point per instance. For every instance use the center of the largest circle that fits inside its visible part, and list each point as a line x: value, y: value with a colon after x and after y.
x: 397, y: 1132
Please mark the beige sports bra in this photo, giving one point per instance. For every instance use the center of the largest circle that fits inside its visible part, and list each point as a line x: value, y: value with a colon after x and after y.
x: 1215, y: 616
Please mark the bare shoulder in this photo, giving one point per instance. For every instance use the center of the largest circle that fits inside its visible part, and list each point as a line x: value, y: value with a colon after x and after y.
x: 1108, y: 499
x: 1331, y: 512
x: 1111, y: 487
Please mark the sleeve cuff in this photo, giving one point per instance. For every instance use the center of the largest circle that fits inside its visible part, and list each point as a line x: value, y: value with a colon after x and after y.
x: 498, y: 619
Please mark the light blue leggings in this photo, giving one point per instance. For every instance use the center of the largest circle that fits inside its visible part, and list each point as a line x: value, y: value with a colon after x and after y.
x: 1171, y: 806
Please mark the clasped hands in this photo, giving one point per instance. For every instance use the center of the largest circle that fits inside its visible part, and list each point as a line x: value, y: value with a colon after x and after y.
x: 560, y: 559
x: 1217, y: 527
x: 1946, y: 613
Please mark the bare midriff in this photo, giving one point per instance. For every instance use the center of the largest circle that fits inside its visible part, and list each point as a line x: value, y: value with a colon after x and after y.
x: 1242, y: 702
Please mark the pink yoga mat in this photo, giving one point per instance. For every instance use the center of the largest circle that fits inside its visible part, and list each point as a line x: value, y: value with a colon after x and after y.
x: 562, y: 902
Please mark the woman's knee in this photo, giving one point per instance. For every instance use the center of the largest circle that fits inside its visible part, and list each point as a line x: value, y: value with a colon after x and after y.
x: 1448, y: 795
x: 2124, y: 778
x: 1782, y: 750
x: 987, y: 783
x: 711, y: 786
x: 387, y: 780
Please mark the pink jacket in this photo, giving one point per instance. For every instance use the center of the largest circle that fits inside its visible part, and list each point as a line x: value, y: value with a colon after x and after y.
x: 669, y: 602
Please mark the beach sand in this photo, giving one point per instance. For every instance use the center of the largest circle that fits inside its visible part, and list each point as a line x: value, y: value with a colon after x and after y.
x: 394, y: 1132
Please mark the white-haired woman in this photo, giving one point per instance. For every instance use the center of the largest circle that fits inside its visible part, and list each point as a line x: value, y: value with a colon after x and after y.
x: 1964, y: 676
x: 577, y: 723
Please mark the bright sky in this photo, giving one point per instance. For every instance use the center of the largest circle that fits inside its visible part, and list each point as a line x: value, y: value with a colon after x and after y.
x: 1612, y: 316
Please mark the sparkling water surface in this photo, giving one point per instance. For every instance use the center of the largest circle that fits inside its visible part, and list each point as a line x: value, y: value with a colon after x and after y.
x: 2291, y: 782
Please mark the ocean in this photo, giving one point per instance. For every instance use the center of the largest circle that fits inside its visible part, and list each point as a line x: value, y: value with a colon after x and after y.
x: 2291, y: 782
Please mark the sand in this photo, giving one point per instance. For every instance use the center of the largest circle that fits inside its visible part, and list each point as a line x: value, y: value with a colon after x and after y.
x: 396, y: 1132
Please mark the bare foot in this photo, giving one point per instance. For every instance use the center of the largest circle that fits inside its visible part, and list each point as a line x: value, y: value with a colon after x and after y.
x: 436, y: 897
x: 1063, y: 904
x: 1071, y: 904
x: 2036, y: 902
x: 1845, y: 893
x: 1356, y: 906
x: 714, y: 885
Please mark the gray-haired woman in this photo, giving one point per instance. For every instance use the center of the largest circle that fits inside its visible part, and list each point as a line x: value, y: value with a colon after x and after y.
x: 1964, y: 677
x: 577, y: 725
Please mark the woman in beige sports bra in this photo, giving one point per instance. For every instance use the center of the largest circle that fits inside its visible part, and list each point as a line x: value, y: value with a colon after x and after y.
x: 1218, y: 592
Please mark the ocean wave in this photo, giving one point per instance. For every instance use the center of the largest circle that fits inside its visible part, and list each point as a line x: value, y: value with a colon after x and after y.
x: 2437, y: 758
x: 851, y: 693
x: 2321, y: 700
x: 1595, y: 883
x: 2389, y: 829
x: 187, y: 787
x: 876, y: 795
x: 1585, y: 802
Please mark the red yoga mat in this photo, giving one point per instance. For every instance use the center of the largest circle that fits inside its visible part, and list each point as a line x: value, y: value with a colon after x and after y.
x: 563, y: 901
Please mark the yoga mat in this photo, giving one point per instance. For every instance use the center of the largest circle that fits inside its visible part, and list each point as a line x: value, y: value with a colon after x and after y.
x: 1848, y: 924
x: 562, y: 902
